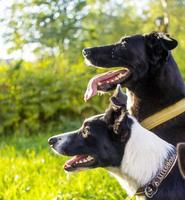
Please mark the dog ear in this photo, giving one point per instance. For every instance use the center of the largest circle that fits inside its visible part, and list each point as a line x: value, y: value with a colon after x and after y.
x: 167, y: 42
x: 118, y: 123
x: 159, y: 39
x: 122, y: 126
x: 119, y: 99
x: 117, y: 108
x: 181, y: 157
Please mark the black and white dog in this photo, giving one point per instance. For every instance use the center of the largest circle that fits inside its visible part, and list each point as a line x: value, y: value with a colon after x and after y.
x: 149, y: 73
x: 116, y: 141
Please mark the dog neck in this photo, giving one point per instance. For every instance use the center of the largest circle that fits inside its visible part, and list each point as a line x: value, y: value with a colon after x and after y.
x: 156, y: 92
x: 145, y: 154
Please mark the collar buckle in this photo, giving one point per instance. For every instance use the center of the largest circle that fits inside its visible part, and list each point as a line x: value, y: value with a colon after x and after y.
x: 150, y: 190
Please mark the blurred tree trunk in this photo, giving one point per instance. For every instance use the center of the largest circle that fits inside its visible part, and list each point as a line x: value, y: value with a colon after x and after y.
x: 166, y: 20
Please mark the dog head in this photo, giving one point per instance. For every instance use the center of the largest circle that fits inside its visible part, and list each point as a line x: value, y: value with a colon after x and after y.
x: 139, y: 56
x: 181, y: 158
x: 101, y: 140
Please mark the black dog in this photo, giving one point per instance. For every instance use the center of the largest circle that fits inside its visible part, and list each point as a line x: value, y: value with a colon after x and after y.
x: 134, y: 155
x: 150, y: 74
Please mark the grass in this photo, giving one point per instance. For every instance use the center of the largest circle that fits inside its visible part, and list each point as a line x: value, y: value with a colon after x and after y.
x: 29, y: 170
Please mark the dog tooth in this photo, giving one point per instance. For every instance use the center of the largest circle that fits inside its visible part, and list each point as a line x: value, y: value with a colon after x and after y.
x: 89, y: 158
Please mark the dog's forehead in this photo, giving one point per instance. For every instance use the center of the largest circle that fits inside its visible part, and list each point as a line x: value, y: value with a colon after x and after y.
x: 93, y: 118
x: 127, y: 38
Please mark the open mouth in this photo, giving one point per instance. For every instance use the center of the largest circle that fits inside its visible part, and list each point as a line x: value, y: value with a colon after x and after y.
x: 106, y: 81
x: 79, y: 162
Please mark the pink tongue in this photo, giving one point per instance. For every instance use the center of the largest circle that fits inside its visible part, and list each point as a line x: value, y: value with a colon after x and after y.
x: 93, y: 84
x: 91, y: 89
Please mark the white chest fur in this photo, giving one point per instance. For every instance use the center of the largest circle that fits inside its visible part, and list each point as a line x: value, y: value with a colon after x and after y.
x: 144, y: 155
x: 126, y: 182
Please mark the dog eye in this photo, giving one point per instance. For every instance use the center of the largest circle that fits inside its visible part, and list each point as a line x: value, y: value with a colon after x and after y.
x: 86, y: 132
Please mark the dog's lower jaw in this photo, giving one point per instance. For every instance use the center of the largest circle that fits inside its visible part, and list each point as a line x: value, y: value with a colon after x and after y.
x: 88, y: 62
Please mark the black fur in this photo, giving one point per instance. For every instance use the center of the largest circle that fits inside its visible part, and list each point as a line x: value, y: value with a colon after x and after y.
x: 106, y: 139
x: 155, y: 81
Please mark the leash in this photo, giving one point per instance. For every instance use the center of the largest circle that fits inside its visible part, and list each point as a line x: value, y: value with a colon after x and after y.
x: 164, y: 115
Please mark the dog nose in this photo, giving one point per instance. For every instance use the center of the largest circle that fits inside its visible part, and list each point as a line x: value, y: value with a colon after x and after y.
x: 86, y: 52
x: 52, y: 140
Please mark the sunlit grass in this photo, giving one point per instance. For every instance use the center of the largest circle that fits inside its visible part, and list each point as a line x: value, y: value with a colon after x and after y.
x: 29, y: 170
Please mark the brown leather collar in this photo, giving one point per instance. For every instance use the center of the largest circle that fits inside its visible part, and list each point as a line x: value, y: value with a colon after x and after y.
x: 151, y: 188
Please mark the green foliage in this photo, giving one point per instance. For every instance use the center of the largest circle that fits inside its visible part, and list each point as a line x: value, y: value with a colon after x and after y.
x: 39, y: 97
x: 42, y: 95
x: 46, y: 95
x: 30, y: 171
x: 65, y: 27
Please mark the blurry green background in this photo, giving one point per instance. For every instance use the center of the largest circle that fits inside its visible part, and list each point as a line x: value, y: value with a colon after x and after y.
x: 42, y: 81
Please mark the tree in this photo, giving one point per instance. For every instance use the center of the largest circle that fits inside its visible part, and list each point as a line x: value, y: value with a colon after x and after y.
x: 55, y: 27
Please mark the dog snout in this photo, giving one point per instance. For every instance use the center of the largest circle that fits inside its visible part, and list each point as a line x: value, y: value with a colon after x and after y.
x: 52, y: 140
x: 86, y: 52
